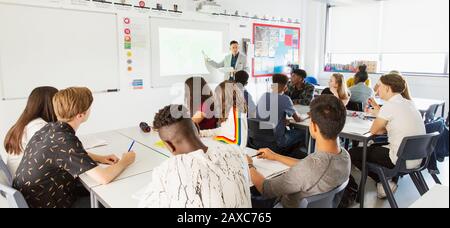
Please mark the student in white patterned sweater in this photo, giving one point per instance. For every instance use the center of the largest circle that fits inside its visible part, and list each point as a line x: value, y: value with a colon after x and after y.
x: 196, y: 176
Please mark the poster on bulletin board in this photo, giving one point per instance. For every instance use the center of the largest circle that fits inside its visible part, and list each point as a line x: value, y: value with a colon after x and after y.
x: 276, y: 47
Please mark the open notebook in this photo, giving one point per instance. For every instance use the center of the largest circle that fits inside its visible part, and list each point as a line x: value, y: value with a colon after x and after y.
x: 268, y: 169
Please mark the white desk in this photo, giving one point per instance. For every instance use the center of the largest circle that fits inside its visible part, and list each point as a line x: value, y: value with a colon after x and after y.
x: 146, y: 158
x: 149, y: 140
x: 119, y: 194
x: 437, y: 197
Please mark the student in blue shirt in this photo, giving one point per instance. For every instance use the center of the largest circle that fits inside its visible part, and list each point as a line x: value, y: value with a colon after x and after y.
x: 275, y: 107
x: 360, y: 92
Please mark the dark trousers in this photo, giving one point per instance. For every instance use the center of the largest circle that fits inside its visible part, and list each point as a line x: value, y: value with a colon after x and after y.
x: 375, y: 154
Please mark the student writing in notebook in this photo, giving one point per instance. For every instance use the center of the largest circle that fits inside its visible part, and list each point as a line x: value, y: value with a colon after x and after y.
x: 318, y: 173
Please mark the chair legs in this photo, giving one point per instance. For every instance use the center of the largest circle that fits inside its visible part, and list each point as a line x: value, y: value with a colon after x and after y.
x: 416, y: 181
x: 436, y: 179
x: 423, y: 182
x: 387, y: 189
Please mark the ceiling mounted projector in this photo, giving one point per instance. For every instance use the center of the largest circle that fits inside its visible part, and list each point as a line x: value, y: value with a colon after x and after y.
x: 209, y: 7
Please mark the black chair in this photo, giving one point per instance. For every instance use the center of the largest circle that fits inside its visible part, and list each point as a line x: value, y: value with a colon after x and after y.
x: 412, y: 148
x: 261, y: 134
x: 355, y: 106
x: 330, y: 199
x: 430, y: 114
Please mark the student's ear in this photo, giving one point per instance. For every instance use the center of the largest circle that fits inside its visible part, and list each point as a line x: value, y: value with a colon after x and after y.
x: 313, y: 129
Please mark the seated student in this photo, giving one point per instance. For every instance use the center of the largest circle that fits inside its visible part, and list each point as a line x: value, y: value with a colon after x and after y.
x: 199, y: 100
x: 55, y: 158
x: 299, y: 91
x: 196, y: 176
x: 360, y: 93
x: 231, y: 110
x: 361, y: 70
x: 318, y: 173
x: 276, y: 115
x: 406, y: 94
x: 38, y: 112
x: 338, y: 88
x: 398, y: 118
x: 242, y: 77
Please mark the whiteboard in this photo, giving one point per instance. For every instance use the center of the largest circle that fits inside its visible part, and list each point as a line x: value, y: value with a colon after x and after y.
x: 57, y: 47
x: 177, y: 48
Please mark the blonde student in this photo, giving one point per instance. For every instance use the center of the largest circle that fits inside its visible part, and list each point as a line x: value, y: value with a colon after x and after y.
x: 231, y: 111
x: 38, y: 112
x: 338, y: 88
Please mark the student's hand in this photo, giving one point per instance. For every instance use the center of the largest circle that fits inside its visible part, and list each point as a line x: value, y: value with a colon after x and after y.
x: 249, y: 160
x: 287, y: 122
x: 267, y: 154
x: 128, y: 158
x: 373, y: 103
x: 109, y: 159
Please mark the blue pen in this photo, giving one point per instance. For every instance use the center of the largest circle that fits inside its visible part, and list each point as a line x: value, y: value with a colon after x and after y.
x: 131, y: 146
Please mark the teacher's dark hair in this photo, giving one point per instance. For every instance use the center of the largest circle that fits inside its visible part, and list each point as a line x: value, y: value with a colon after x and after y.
x: 233, y: 42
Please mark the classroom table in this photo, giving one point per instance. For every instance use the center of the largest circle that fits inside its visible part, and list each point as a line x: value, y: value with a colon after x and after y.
x: 437, y: 197
x: 119, y: 194
x: 146, y: 158
x: 150, y: 140
x: 357, y: 129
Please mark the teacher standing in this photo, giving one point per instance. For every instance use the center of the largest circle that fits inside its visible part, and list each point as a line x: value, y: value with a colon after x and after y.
x: 236, y: 60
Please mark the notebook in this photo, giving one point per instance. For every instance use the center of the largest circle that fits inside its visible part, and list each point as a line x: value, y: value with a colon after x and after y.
x: 269, y: 169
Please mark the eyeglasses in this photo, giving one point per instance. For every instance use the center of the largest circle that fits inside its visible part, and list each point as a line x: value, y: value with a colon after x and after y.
x: 145, y: 127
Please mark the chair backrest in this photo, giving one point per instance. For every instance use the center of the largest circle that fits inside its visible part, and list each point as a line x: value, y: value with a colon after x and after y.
x: 416, y: 148
x: 355, y: 106
x: 330, y: 199
x: 312, y: 80
x: 430, y: 115
x: 261, y: 130
x: 15, y: 198
x: 4, y: 169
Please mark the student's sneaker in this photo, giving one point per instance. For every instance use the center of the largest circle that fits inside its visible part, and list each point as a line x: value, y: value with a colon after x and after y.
x: 381, y: 193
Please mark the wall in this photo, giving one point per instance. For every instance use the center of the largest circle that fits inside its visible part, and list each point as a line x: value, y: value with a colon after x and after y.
x: 128, y: 108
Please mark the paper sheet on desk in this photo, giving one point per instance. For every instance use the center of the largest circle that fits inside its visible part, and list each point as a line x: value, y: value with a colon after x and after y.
x: 268, y: 169
x: 359, y: 127
x: 91, y: 143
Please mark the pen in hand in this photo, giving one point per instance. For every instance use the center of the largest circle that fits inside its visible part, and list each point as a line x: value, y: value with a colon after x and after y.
x: 131, y: 146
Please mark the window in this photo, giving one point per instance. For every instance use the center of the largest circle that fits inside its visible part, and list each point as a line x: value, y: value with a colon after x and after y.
x: 406, y: 35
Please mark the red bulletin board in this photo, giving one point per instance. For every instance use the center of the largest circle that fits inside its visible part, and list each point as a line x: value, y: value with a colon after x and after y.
x: 275, y: 47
